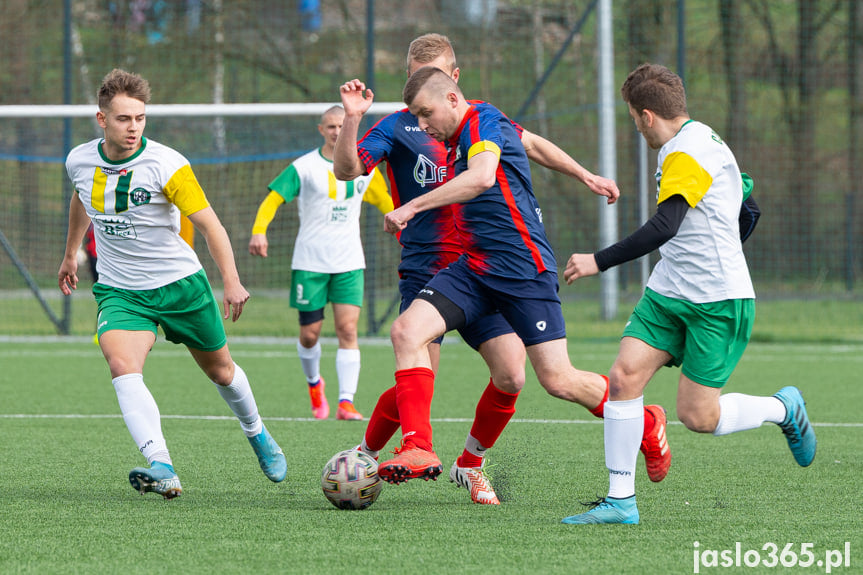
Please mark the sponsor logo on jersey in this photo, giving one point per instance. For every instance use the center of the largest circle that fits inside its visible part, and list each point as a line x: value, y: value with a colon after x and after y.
x: 426, y: 172
x: 339, y: 214
x: 413, y: 129
x: 116, y: 227
x: 107, y: 170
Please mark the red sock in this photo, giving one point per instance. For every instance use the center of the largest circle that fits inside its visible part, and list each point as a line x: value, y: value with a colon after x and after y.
x: 493, y: 412
x: 384, y: 421
x: 599, y: 410
x: 414, y: 391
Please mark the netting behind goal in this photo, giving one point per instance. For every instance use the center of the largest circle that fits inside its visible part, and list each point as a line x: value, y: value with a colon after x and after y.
x: 235, y: 156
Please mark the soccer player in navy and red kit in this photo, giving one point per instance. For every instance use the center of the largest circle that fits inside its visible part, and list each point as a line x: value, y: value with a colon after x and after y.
x: 416, y: 166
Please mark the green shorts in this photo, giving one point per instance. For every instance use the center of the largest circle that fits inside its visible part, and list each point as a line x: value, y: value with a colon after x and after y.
x: 186, y: 310
x: 311, y: 291
x: 706, y: 340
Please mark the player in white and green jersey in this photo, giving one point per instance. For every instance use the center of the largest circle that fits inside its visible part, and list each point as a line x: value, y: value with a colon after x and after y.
x: 133, y: 190
x: 328, y: 260
x: 699, y: 305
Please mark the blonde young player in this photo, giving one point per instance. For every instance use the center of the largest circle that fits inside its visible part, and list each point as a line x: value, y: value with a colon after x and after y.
x: 699, y: 305
x: 328, y: 259
x: 134, y: 190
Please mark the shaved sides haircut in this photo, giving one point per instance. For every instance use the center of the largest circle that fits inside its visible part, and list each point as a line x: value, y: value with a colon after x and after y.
x: 428, y: 78
x: 332, y: 111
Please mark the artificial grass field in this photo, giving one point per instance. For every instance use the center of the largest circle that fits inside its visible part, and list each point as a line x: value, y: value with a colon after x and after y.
x: 67, y: 506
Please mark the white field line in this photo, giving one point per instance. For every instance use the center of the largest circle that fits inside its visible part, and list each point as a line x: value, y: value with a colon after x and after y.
x: 305, y: 419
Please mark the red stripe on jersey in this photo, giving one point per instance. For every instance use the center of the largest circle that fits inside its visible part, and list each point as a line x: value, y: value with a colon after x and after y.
x: 394, y: 189
x: 473, y: 126
x: 518, y: 220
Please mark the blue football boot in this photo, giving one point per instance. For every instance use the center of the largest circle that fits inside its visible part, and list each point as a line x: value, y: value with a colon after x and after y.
x: 159, y: 478
x: 607, y: 510
x: 270, y: 456
x: 796, y: 426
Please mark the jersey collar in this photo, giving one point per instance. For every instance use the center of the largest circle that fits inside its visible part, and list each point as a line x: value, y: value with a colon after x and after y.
x: 124, y: 160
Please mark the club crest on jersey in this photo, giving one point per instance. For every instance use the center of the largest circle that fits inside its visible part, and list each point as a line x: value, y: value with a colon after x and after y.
x: 427, y: 172
x: 140, y: 196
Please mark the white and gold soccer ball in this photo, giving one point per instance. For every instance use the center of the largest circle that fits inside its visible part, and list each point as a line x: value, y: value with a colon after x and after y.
x: 350, y: 480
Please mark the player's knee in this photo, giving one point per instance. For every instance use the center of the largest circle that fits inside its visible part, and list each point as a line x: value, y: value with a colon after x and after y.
x: 510, y: 382
x: 401, y: 334
x: 347, y: 336
x: 555, y: 387
x: 220, y: 373
x: 696, y: 421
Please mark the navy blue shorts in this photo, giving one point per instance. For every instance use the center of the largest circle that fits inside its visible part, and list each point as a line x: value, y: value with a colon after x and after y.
x: 473, y: 333
x: 531, y: 307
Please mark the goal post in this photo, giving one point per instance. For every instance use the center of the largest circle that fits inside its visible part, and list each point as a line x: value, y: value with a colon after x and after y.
x: 235, y: 151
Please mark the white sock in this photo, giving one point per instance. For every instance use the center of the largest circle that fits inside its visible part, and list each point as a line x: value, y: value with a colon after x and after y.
x: 473, y: 446
x: 348, y: 371
x: 624, y: 428
x: 142, y: 417
x: 240, y: 399
x: 310, y: 359
x: 738, y: 412
x: 365, y: 448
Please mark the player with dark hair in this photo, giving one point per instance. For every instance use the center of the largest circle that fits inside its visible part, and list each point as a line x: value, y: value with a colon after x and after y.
x: 133, y: 190
x: 699, y: 304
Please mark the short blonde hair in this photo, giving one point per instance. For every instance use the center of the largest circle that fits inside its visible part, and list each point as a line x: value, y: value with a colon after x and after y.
x: 428, y: 47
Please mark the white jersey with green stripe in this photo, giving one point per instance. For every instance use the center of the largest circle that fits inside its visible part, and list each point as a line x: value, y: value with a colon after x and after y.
x: 328, y: 240
x: 135, y: 206
x: 704, y: 261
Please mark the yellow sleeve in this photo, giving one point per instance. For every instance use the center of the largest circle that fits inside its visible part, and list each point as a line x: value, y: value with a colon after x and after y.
x: 378, y: 194
x: 483, y: 146
x: 682, y: 175
x: 187, y: 230
x: 184, y: 191
x: 266, y: 212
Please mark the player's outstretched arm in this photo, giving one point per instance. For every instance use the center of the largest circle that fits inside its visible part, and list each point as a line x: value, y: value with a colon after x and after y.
x: 356, y: 100
x: 549, y: 155
x: 67, y: 276
x: 207, y: 222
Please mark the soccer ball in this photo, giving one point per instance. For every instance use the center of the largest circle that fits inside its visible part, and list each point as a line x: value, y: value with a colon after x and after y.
x: 350, y: 480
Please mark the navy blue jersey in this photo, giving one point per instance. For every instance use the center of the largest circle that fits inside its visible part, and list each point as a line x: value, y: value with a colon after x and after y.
x: 501, y: 229
x: 416, y: 164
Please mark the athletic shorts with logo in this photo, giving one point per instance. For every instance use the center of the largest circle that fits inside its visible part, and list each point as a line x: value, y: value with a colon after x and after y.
x: 185, y: 309
x: 474, y: 334
x: 707, y: 340
x: 530, y: 307
x: 311, y: 291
